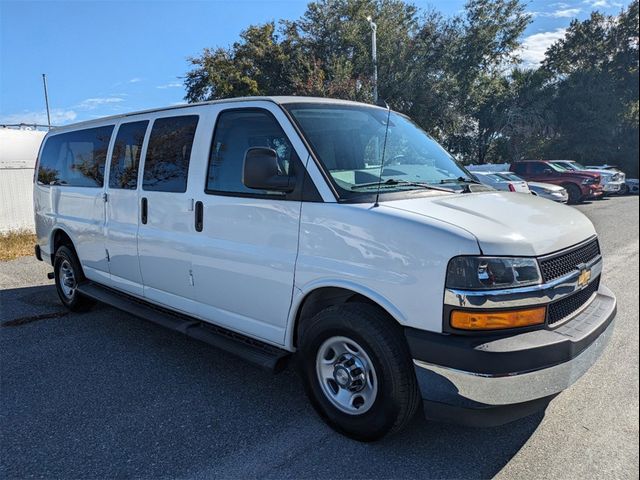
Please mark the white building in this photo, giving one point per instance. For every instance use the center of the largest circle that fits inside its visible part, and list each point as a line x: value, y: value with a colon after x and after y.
x: 18, y: 152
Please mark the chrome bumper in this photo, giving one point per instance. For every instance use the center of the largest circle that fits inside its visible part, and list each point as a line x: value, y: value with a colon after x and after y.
x: 474, y: 390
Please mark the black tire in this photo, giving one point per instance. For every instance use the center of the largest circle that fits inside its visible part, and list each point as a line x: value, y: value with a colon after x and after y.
x: 575, y: 195
x: 397, y: 398
x: 624, y: 189
x: 66, y: 259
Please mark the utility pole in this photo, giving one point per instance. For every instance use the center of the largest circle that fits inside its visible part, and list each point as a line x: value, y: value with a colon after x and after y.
x: 374, y: 55
x: 46, y: 99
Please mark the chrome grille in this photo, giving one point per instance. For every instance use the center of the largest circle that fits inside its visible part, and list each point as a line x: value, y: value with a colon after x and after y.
x: 561, y: 309
x: 560, y: 264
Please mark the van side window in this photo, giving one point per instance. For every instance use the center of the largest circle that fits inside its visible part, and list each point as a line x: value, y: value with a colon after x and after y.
x: 235, y: 132
x: 166, y: 163
x: 125, y: 159
x: 75, y: 158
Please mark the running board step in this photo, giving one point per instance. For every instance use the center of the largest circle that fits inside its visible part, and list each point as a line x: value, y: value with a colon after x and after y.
x: 254, y: 351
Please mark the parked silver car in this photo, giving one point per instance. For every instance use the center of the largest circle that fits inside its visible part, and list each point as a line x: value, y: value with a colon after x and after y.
x: 503, y: 181
x: 549, y: 191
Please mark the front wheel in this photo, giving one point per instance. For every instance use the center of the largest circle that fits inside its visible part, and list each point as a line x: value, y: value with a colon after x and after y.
x: 357, y: 371
x: 575, y: 194
x: 68, y: 274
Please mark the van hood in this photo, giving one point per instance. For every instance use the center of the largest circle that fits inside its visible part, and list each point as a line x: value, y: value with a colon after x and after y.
x: 505, y: 223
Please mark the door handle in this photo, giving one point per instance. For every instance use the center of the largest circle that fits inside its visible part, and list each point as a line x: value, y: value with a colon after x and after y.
x: 199, y: 216
x: 145, y: 210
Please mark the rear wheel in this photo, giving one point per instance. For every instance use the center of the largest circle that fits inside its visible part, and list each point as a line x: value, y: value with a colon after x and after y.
x: 68, y: 274
x: 575, y: 195
x: 357, y: 371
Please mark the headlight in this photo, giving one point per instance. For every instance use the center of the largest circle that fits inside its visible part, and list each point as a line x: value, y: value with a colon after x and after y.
x: 590, y: 181
x: 480, y: 273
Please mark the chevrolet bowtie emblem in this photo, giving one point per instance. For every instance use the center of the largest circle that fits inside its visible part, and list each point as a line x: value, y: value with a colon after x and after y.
x: 585, y: 276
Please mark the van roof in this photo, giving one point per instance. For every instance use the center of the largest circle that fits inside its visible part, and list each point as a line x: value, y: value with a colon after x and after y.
x: 280, y: 100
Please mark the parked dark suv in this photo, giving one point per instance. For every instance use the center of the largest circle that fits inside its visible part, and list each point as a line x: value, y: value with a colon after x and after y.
x: 580, y: 185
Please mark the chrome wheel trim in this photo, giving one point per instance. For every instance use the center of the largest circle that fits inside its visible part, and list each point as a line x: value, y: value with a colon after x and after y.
x: 346, y: 375
x: 67, y: 279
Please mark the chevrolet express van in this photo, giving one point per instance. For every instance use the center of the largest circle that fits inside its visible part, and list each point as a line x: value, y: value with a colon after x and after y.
x: 336, y: 233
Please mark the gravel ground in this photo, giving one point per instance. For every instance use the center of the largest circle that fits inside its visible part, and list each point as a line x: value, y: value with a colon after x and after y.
x: 106, y: 395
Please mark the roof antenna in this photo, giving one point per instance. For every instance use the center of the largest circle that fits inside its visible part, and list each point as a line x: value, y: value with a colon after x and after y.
x: 384, y: 149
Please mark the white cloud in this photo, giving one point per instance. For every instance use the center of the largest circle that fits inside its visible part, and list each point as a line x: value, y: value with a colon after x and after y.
x: 602, y: 4
x: 534, y: 46
x: 170, y: 85
x: 562, y: 12
x: 565, y: 13
x: 59, y: 116
x: 134, y: 80
x: 92, y: 103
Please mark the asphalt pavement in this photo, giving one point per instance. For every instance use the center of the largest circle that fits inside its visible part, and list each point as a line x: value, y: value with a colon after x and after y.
x: 104, y: 394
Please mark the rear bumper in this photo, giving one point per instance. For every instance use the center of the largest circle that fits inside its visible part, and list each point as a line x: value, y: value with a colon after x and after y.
x: 510, y: 376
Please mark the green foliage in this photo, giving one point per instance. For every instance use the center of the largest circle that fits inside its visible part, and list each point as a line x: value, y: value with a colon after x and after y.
x: 454, y: 76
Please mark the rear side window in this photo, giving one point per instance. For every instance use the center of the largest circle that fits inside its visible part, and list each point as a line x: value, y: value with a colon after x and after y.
x: 538, y: 168
x: 125, y: 159
x: 75, y: 158
x: 166, y: 164
x: 237, y: 131
x: 520, y: 168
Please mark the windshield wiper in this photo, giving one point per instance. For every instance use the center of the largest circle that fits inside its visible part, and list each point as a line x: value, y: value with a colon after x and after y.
x: 459, y: 180
x: 394, y: 181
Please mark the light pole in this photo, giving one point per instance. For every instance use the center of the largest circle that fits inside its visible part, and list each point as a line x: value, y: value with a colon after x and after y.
x: 46, y: 99
x: 374, y: 55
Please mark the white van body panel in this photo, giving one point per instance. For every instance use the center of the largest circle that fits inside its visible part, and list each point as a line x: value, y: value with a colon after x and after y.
x: 396, y: 258
x: 506, y: 224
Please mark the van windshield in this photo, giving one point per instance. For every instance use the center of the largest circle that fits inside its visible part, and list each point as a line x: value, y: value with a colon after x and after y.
x: 349, y: 141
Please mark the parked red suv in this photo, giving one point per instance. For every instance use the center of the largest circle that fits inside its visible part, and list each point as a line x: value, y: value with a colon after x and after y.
x: 580, y: 185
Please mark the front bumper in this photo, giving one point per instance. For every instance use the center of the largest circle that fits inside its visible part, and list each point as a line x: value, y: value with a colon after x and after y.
x: 483, y: 373
x: 612, y: 187
x: 594, y: 192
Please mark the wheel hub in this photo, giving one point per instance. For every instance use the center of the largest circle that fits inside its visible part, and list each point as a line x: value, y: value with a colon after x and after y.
x: 347, y: 375
x: 348, y: 372
x: 67, y: 279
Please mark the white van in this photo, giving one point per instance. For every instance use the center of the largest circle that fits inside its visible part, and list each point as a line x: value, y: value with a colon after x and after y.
x: 336, y: 231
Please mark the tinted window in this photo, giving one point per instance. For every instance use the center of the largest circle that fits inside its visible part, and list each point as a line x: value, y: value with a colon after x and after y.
x: 520, y: 168
x: 76, y: 158
x: 538, y: 168
x: 236, y: 131
x: 125, y: 159
x: 166, y: 164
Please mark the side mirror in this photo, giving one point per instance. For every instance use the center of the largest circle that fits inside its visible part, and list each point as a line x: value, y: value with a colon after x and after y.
x: 547, y: 171
x: 260, y: 171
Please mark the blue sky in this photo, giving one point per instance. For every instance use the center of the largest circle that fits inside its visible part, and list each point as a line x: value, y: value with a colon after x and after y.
x: 108, y: 57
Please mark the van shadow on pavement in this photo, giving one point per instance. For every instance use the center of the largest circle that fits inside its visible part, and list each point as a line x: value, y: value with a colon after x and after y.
x: 104, y: 394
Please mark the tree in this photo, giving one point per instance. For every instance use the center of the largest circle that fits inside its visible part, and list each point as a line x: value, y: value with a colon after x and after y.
x: 456, y: 77
x: 593, y: 73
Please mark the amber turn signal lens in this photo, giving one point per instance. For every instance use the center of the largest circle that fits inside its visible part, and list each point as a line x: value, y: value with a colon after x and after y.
x: 488, y: 320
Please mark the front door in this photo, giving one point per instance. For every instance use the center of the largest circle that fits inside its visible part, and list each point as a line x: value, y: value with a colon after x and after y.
x: 244, y: 257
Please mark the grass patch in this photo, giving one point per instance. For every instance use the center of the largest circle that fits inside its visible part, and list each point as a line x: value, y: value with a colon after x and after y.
x: 16, y: 244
